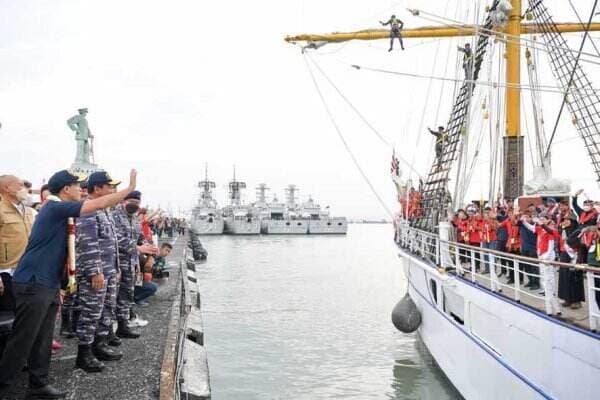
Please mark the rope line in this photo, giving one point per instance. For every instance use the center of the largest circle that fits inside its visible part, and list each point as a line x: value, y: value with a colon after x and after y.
x: 545, y: 88
x: 564, y: 101
x: 341, y: 136
x: 360, y: 115
x: 467, y: 27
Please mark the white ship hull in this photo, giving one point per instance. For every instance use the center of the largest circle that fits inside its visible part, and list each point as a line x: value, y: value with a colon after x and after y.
x: 204, y: 227
x: 328, y: 226
x: 502, y: 350
x: 286, y: 227
x: 242, y: 226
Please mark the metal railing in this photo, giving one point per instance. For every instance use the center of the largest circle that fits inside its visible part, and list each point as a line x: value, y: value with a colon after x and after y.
x: 480, y: 265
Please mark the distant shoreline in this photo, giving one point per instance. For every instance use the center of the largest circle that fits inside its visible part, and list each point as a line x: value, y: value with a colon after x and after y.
x: 368, y: 221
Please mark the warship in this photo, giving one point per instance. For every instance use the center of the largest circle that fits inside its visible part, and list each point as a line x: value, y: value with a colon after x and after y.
x: 207, y: 218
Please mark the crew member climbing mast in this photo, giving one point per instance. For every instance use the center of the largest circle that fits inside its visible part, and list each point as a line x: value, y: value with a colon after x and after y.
x: 467, y: 60
x: 396, y: 26
x: 441, y: 138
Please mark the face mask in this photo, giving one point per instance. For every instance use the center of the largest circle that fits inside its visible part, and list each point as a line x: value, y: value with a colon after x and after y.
x: 131, y: 208
x: 587, y: 208
x: 22, y: 195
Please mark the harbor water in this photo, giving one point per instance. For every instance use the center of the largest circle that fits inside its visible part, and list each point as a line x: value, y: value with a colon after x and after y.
x: 308, y: 317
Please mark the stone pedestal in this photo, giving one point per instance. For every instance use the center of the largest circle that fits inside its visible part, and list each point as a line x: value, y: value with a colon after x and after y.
x: 84, y: 168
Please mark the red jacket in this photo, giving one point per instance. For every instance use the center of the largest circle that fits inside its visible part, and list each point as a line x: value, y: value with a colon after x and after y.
x: 474, y: 228
x: 546, y: 239
x: 462, y: 228
x: 586, y: 216
x: 513, y: 244
x: 488, y: 228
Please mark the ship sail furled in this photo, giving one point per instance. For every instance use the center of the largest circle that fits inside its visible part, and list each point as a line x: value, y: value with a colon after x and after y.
x: 435, y: 190
x: 583, y: 101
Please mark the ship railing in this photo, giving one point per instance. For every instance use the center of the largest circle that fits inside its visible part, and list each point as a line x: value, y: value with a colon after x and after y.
x: 481, y: 265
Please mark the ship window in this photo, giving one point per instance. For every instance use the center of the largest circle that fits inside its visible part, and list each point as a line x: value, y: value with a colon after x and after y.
x: 299, y: 223
x: 287, y: 223
x: 339, y: 224
x: 329, y: 223
x: 454, y: 305
x: 433, y: 286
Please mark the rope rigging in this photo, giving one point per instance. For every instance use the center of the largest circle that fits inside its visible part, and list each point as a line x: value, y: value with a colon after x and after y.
x: 468, y: 28
x: 360, y: 115
x: 541, y: 88
x: 341, y: 136
x: 574, y: 70
x: 582, y: 24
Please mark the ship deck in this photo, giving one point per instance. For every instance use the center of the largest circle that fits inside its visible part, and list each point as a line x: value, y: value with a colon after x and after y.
x: 138, y: 374
x: 531, y: 298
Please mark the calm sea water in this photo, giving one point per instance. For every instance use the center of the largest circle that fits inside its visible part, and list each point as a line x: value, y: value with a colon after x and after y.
x: 308, y: 317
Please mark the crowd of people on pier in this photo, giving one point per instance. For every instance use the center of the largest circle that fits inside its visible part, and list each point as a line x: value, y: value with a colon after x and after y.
x: 550, y: 229
x: 83, y: 248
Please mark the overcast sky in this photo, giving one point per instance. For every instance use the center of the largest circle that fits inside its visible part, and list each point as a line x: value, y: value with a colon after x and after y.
x: 172, y: 85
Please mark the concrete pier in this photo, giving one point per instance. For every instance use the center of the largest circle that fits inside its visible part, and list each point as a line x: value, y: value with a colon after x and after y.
x: 152, y: 363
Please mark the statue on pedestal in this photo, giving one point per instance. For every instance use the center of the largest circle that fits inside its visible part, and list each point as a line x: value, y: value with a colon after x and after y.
x: 84, y: 158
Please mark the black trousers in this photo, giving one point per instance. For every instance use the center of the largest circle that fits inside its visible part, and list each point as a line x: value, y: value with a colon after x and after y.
x: 7, y: 309
x: 7, y: 299
x: 530, y: 268
x: 31, y: 338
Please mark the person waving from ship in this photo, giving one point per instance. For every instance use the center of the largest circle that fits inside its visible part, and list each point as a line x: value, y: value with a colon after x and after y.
x: 441, y: 139
x: 396, y: 26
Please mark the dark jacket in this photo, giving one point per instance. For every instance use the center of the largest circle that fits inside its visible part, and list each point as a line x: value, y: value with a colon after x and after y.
x: 528, y: 239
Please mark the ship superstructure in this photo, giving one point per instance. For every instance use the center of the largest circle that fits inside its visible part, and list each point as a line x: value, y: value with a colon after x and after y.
x: 240, y: 219
x: 206, y: 216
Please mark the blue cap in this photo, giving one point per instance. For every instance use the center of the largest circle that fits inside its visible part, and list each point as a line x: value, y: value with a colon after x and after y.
x: 136, y: 194
x: 61, y: 179
x: 101, y: 178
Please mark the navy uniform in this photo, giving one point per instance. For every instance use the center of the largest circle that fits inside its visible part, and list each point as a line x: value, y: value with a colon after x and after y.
x: 396, y: 26
x: 467, y: 60
x: 441, y: 140
x: 97, y: 253
x: 68, y: 309
x: 129, y: 235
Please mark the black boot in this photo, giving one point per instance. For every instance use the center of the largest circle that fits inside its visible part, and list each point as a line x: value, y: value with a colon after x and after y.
x: 113, y: 340
x: 126, y: 332
x: 45, y: 392
x: 103, y: 351
x: 86, y: 360
x: 66, y: 325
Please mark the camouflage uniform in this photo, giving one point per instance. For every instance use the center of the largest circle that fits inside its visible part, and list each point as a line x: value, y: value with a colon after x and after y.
x: 129, y: 235
x: 96, y: 247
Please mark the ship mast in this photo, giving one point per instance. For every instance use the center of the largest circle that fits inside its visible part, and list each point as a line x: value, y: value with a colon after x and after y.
x: 206, y: 198
x: 513, y: 140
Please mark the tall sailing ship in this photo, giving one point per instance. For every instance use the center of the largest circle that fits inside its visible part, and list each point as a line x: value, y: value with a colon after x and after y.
x: 494, y: 339
x: 206, y: 216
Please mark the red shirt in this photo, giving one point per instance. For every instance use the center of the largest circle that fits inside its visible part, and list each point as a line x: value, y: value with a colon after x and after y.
x: 513, y: 244
x: 462, y: 226
x: 545, y: 239
x: 488, y: 230
x: 474, y: 230
x: 586, y: 216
